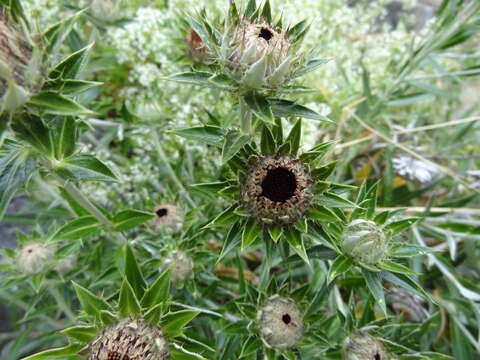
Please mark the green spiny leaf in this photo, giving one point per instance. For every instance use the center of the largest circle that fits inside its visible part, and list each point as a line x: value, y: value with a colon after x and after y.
x: 133, y: 273
x: 294, y: 137
x: 267, y: 143
x: 173, y: 323
x: 158, y: 292
x: 90, y: 303
x: 250, y: 233
x: 340, y: 266
x: 128, y: 303
x: 130, y: 218
x: 295, y: 240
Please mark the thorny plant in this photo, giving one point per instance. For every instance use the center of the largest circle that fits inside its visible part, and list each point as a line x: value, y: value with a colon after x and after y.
x: 183, y: 203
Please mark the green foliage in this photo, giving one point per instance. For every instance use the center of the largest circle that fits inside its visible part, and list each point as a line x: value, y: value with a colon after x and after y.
x: 183, y: 169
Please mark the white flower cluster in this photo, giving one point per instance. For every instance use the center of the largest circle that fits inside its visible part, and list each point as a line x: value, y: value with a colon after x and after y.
x: 43, y: 13
x: 351, y: 36
x: 415, y: 170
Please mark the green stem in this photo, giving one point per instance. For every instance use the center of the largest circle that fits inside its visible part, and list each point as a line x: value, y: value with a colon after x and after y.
x: 245, y: 117
x: 171, y: 173
x: 25, y: 307
x: 79, y: 197
x: 61, y: 302
x: 75, y: 193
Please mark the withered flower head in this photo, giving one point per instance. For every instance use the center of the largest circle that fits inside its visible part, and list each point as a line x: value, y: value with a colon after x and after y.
x: 130, y: 339
x: 33, y: 258
x: 408, y: 304
x: 181, y: 264
x: 195, y: 46
x: 277, y: 189
x: 280, y: 322
x: 362, y: 346
x: 365, y: 242
x: 168, y: 216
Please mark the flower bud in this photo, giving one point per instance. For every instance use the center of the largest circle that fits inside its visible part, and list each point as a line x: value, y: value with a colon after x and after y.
x: 365, y: 242
x: 181, y: 264
x: 65, y: 265
x: 362, y: 346
x: 33, y: 258
x: 407, y: 304
x: 107, y: 10
x: 277, y: 189
x: 280, y: 322
x: 168, y: 216
x: 132, y: 339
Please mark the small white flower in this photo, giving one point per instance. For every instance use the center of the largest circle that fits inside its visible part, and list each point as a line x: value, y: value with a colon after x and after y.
x: 414, y: 170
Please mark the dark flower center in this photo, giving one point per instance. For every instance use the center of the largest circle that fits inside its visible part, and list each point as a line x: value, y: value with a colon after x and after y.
x: 286, y: 319
x: 279, y: 185
x: 377, y: 357
x: 113, y: 355
x: 161, y: 212
x: 265, y: 33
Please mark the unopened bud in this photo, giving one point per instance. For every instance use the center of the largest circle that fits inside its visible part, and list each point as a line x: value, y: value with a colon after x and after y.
x: 168, y: 216
x: 67, y: 264
x: 181, y: 264
x: 107, y: 11
x: 33, y: 258
x: 364, y: 241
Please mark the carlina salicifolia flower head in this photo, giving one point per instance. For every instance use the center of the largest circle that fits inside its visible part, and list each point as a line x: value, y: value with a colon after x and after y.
x: 130, y: 339
x: 411, y: 306
x: 168, y: 216
x: 16, y: 64
x: 181, y: 265
x: 260, y: 55
x: 277, y: 189
x: 365, y: 242
x: 280, y: 322
x: 362, y: 346
x: 33, y: 258
x: 252, y: 51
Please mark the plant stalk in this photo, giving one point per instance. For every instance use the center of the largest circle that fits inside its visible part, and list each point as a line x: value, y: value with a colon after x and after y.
x: 245, y: 117
x: 171, y: 173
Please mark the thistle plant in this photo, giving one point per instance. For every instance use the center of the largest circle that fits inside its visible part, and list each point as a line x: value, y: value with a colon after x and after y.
x: 171, y: 188
x: 142, y: 326
x: 32, y: 79
x: 254, y: 56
